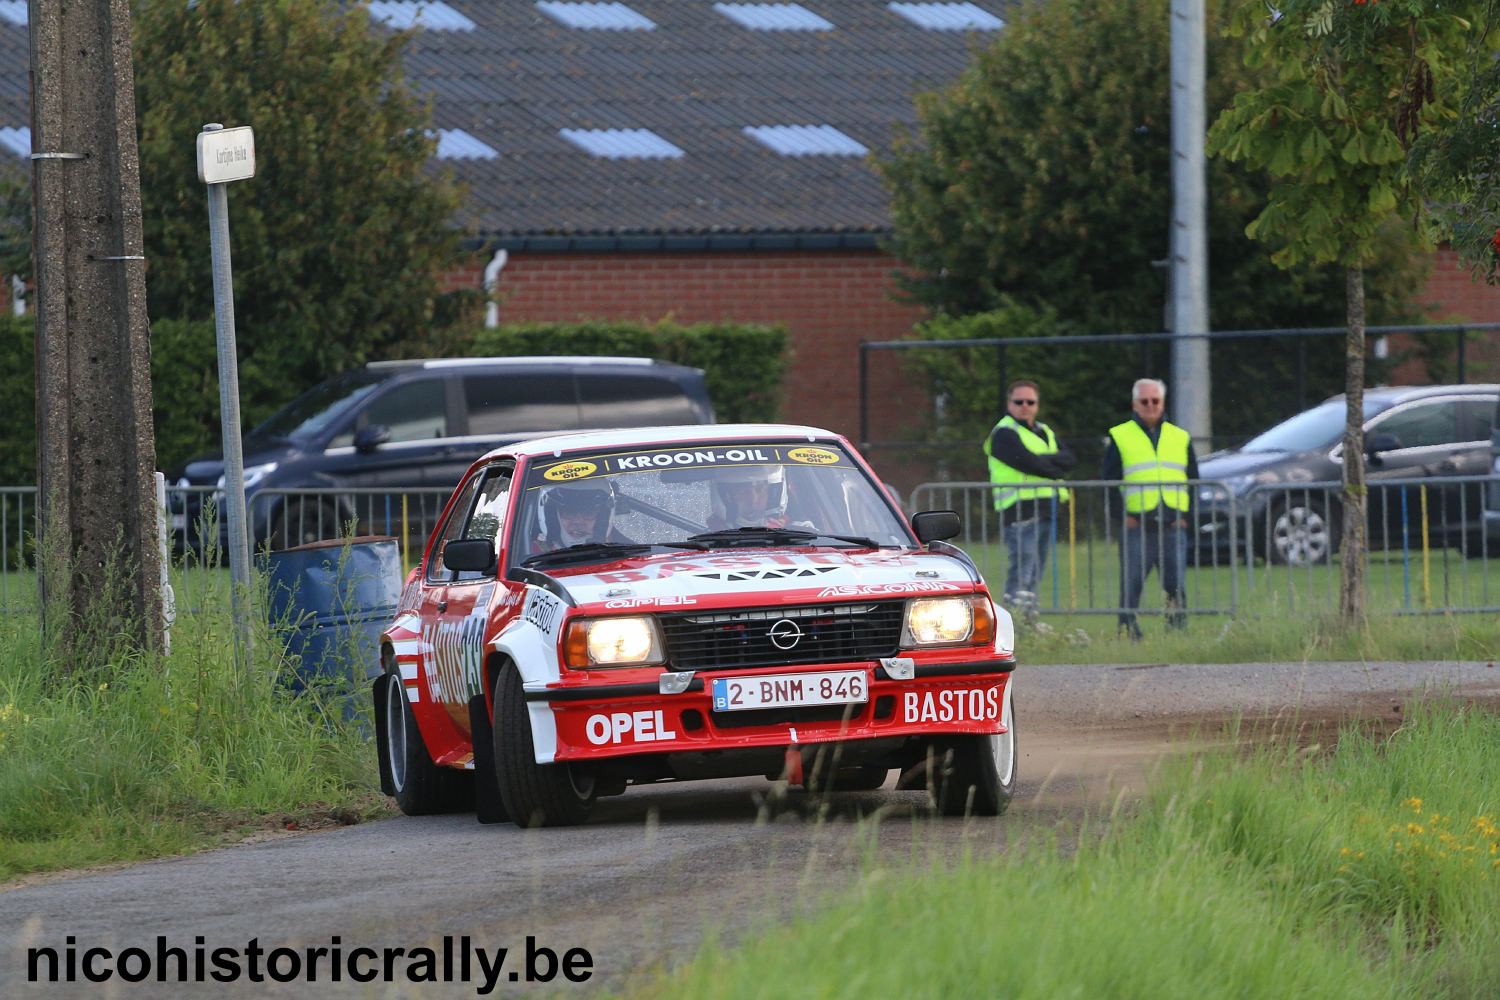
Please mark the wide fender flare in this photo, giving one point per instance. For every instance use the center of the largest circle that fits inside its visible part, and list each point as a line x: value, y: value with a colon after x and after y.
x: 533, y: 650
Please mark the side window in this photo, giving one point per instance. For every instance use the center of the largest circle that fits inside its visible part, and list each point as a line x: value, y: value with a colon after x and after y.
x: 1476, y: 419
x: 527, y: 401
x: 488, y: 517
x: 414, y: 411
x: 1423, y: 426
x: 632, y: 401
x: 437, y: 571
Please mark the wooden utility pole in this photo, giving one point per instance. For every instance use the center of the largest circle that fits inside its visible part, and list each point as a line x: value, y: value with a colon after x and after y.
x: 1352, y: 543
x: 99, y: 562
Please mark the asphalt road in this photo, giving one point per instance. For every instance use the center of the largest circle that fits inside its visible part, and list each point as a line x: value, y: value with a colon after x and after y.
x: 659, y: 867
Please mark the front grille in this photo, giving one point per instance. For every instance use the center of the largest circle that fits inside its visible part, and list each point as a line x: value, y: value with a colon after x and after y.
x: 829, y: 633
x: 789, y: 716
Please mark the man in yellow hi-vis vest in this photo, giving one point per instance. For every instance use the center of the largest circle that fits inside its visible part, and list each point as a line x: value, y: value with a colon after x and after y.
x: 1022, y: 451
x: 1155, y: 460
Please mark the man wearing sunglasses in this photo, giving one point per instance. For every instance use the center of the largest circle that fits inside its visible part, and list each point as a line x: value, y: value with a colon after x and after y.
x: 1023, y: 453
x: 1155, y: 460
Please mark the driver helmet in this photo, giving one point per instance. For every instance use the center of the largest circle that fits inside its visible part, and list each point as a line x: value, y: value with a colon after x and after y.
x: 736, y: 502
x: 577, y: 512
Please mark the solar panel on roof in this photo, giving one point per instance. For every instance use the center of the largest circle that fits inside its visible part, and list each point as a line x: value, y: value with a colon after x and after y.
x: 456, y: 144
x: 16, y: 140
x: 805, y: 140
x: 773, y: 16
x: 14, y: 11
x: 948, y: 16
x: 596, y: 16
x: 434, y: 15
x: 622, y: 143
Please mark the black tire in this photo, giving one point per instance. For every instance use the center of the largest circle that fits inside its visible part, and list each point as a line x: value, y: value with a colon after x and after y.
x: 976, y: 775
x: 304, y: 521
x: 535, y: 794
x: 420, y: 787
x: 489, y: 806
x: 1302, y: 531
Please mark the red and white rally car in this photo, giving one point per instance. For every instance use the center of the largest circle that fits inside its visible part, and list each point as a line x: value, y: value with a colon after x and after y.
x: 613, y: 608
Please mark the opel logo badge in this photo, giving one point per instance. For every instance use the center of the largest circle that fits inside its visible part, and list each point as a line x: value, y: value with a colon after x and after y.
x: 785, y: 634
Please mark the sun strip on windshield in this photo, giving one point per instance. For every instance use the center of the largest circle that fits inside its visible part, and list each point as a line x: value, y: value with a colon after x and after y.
x: 709, y: 456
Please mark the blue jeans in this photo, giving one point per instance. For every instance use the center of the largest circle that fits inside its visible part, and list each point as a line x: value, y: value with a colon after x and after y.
x: 1027, y: 544
x: 1156, y: 541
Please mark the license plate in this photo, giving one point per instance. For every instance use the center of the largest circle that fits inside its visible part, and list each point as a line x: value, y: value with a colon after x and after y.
x: 738, y: 694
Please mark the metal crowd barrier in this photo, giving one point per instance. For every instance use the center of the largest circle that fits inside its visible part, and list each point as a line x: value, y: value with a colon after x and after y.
x: 1252, y: 549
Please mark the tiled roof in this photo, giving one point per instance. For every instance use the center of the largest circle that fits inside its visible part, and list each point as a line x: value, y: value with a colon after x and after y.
x: 521, y: 82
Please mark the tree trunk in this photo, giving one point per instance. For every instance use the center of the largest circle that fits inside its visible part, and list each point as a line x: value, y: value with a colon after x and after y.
x: 1352, y: 575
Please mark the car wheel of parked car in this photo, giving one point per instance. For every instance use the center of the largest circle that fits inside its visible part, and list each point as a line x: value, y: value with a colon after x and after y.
x: 535, y: 794
x: 304, y: 521
x: 977, y: 774
x: 1302, y: 533
x: 421, y: 787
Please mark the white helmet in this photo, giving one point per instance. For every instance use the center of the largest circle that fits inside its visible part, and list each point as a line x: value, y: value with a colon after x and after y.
x: 582, y: 496
x: 728, y: 495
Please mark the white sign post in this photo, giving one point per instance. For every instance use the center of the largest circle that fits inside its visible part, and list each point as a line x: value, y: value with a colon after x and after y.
x: 225, y: 155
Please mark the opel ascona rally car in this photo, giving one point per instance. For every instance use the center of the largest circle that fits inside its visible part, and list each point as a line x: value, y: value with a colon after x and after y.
x: 614, y: 608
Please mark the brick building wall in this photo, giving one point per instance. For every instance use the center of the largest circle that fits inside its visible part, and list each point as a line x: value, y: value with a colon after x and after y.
x: 828, y: 301
x: 1453, y: 296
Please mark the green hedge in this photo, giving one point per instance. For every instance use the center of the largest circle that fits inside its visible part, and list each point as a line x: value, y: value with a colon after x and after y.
x: 742, y: 364
x: 185, y: 391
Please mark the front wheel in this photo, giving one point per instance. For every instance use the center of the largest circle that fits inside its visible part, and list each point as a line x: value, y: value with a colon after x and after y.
x: 977, y: 774
x: 535, y: 794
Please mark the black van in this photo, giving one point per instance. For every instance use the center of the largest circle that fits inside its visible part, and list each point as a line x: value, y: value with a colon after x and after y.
x: 393, y: 427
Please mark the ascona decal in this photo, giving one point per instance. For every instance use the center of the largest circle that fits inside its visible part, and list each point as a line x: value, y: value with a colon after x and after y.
x: 961, y: 705
x: 707, y: 456
x: 880, y: 589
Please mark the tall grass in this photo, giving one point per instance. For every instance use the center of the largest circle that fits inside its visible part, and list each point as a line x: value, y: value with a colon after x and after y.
x: 1371, y: 872
x: 121, y: 755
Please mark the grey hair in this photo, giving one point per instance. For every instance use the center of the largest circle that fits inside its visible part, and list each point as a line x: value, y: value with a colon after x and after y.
x: 1155, y: 383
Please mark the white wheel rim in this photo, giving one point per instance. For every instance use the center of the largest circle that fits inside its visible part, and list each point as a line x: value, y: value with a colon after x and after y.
x: 395, y: 730
x: 1003, y: 745
x: 1302, y: 536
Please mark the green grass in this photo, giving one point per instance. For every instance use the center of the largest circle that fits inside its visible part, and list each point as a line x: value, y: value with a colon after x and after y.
x: 120, y: 756
x: 1368, y: 873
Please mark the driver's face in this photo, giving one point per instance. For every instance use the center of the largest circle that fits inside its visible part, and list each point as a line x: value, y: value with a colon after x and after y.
x: 578, y: 524
x: 749, y: 496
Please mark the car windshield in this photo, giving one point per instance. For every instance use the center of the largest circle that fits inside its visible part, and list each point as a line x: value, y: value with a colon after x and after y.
x: 1319, y: 427
x: 603, y: 505
x: 316, y: 410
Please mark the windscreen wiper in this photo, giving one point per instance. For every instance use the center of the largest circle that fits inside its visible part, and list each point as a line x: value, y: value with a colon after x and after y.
x: 588, y: 550
x: 774, y: 536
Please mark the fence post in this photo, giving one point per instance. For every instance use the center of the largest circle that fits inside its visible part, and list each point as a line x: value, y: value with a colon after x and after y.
x: 1463, y: 340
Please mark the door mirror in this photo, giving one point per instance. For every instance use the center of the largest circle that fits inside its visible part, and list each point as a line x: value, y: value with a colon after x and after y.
x: 1379, y: 442
x: 935, y: 525
x: 370, y: 437
x: 470, y: 555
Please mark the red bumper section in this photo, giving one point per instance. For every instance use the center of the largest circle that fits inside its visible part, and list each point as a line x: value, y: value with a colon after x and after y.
x: 599, y: 721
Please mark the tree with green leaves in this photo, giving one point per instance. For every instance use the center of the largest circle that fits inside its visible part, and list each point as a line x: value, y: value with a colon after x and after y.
x: 1349, y: 86
x: 341, y: 239
x: 1041, y: 179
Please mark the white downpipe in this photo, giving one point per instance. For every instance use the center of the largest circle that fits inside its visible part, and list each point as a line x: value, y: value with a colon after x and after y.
x: 17, y: 295
x: 491, y: 280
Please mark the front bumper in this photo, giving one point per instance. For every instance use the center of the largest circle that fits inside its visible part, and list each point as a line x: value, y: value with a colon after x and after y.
x: 943, y: 697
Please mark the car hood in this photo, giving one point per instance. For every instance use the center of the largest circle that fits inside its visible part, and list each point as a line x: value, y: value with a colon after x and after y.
x: 772, y: 576
x: 1229, y: 464
x: 205, y: 470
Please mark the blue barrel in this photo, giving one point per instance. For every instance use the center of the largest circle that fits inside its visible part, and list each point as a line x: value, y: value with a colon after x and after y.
x: 330, y: 601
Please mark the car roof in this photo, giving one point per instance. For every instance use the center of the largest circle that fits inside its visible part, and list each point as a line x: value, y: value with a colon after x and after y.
x: 685, y: 434
x: 527, y: 361
x: 1390, y: 395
